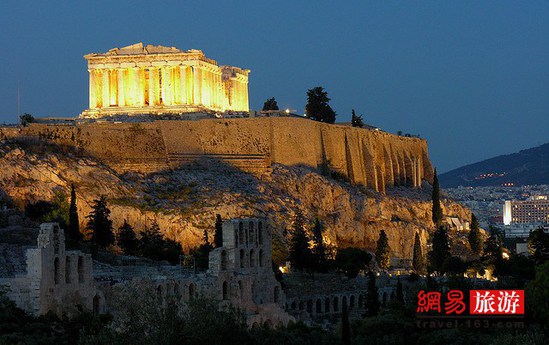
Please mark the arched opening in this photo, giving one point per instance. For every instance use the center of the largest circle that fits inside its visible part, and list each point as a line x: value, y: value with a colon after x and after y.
x: 352, y: 302
x: 80, y: 270
x: 159, y: 292
x: 225, y: 291
x: 252, y: 258
x: 268, y: 324
x: 301, y: 305
x: 242, y: 258
x: 318, y: 306
x: 68, y: 270
x: 261, y: 260
x: 310, y: 306
x: 97, y: 305
x: 251, y: 231
x: 260, y: 232
x: 192, y: 290
x: 223, y: 260
x: 255, y: 325
x: 56, y: 273
x: 336, y: 304
x: 276, y: 294
x: 344, y: 301
x: 241, y: 235
x: 327, y: 305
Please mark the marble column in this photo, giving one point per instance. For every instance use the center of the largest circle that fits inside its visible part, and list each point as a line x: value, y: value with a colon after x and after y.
x: 93, y: 102
x: 153, y: 86
x: 165, y: 85
x: 197, y: 74
x: 121, y: 88
x: 183, y: 84
x: 105, y: 88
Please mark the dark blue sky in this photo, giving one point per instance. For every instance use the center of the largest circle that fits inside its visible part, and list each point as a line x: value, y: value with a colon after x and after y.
x: 472, y: 77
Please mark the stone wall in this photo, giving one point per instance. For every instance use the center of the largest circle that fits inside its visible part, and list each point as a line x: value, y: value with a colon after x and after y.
x: 375, y: 159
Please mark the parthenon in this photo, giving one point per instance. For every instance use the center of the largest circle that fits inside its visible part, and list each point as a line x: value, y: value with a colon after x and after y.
x: 158, y: 80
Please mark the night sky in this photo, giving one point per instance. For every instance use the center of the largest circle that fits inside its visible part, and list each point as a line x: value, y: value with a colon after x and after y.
x: 472, y: 77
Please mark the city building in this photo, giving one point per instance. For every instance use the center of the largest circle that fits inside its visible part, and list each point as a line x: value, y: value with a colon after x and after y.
x: 535, y: 210
x: 158, y: 80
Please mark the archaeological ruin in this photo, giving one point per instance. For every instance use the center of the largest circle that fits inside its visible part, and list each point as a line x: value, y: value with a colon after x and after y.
x: 160, y: 80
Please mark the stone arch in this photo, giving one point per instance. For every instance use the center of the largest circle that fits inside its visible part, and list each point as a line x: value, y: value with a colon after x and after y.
x: 225, y: 290
x: 344, y: 301
x: 192, y: 291
x: 242, y: 258
x: 98, y: 304
x: 56, y: 273
x: 336, y: 304
x: 318, y: 306
x: 68, y: 278
x: 80, y: 269
x: 277, y: 294
x: 252, y: 258
x: 310, y: 306
x: 268, y: 324
x: 261, y: 259
x: 255, y: 325
x: 327, y: 305
x: 241, y: 235
x: 260, y: 232
x: 223, y: 260
x: 251, y: 231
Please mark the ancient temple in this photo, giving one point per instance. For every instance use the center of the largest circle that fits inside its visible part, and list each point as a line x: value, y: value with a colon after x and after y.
x: 157, y: 80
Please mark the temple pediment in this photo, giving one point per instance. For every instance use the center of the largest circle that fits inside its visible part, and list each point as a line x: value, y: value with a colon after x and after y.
x: 140, y: 49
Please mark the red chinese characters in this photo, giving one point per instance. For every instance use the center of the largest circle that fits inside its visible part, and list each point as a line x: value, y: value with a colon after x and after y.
x: 496, y: 302
x: 455, y: 304
x: 427, y: 301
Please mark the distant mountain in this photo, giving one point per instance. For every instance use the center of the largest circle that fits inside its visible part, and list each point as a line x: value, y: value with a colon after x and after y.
x: 526, y: 167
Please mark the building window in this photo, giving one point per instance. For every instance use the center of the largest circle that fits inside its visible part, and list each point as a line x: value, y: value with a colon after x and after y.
x: 68, y: 270
x: 252, y: 258
x: 225, y: 291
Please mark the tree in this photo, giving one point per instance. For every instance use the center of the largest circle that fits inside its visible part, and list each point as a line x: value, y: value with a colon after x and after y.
x: 270, y: 104
x: 383, y: 251
x: 538, y: 294
x: 538, y: 245
x: 352, y: 260
x: 26, y: 119
x: 152, y: 242
x: 317, y: 107
x: 100, y: 224
x: 127, y: 240
x: 356, y: 121
x: 440, y: 251
x: 454, y: 266
x: 74, y: 224
x: 319, y: 250
x: 437, y: 210
x: 218, y: 235
x: 345, y: 326
x: 372, y: 298
x: 300, y: 253
x: 475, y: 237
x: 418, y: 261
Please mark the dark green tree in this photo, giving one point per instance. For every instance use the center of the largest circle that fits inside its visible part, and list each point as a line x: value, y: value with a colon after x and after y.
x: 454, y: 266
x: 218, y: 235
x: 383, y: 251
x: 151, y: 244
x: 345, y: 326
x: 356, y: 120
x: 538, y: 295
x: 538, y: 245
x: 475, y: 237
x: 317, y: 107
x: 300, y: 252
x: 319, y: 250
x: 26, y: 119
x: 418, y: 260
x: 127, y: 240
x: 74, y: 224
x: 372, y: 297
x: 440, y: 251
x: 100, y: 224
x: 352, y: 260
x: 437, y: 209
x: 270, y: 104
x: 202, y: 253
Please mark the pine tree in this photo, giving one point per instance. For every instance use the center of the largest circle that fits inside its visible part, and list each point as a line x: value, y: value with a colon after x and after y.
x: 100, y: 224
x: 356, y: 121
x: 475, y: 237
x: 300, y: 253
x: 152, y: 242
x: 345, y: 326
x: 127, y: 240
x: 317, y: 107
x: 437, y: 209
x: 441, y: 250
x: 372, y: 298
x: 319, y: 250
x: 418, y: 261
x: 270, y: 104
x: 383, y: 251
x: 218, y: 235
x: 74, y: 226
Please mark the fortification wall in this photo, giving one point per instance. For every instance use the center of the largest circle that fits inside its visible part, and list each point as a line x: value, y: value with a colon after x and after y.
x: 375, y: 159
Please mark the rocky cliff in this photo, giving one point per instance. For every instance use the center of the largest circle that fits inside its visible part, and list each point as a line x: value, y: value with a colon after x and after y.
x: 184, y: 201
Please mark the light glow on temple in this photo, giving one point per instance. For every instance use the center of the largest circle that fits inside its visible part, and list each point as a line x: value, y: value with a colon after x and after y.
x: 158, y: 80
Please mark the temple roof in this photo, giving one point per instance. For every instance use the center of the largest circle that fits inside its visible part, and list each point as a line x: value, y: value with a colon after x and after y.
x: 140, y: 49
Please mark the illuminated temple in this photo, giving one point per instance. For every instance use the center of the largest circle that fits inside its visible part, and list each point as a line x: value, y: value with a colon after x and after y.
x: 158, y: 80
